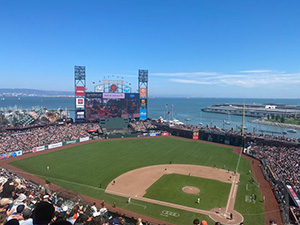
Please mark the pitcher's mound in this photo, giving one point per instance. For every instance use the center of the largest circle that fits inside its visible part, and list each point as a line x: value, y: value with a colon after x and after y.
x: 190, y: 190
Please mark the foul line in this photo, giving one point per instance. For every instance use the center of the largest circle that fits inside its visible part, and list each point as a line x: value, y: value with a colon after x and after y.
x: 144, y: 206
x: 234, y: 186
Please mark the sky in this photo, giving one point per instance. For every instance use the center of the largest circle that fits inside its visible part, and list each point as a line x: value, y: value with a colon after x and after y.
x: 191, y: 48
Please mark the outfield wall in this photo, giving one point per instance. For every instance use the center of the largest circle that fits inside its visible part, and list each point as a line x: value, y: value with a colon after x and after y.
x: 42, y: 148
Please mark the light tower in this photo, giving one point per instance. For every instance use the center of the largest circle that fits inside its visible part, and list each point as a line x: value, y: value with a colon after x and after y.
x: 143, y: 89
x: 80, y: 82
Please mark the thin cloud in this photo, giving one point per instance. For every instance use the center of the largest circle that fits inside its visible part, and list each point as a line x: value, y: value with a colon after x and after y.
x: 184, y: 74
x: 190, y: 81
x: 257, y: 78
x: 258, y: 71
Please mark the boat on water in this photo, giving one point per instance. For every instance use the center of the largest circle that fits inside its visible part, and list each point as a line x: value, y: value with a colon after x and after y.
x: 176, y: 121
x: 240, y: 127
x: 226, y: 122
x: 187, y: 119
x: 291, y: 131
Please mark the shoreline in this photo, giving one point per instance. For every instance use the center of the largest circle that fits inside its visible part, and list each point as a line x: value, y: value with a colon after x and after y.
x: 277, y: 124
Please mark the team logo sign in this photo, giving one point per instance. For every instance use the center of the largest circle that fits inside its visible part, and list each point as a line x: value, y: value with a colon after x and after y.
x: 169, y: 213
x: 143, y: 92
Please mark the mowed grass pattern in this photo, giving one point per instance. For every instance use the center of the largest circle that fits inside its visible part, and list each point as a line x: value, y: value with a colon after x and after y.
x: 101, y: 162
x: 82, y: 168
x: 168, y: 188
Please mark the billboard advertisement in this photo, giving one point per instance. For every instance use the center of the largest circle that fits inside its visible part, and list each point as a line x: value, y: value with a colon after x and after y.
x: 84, y: 139
x: 143, y: 114
x: 40, y: 148
x: 112, y: 105
x: 80, y: 115
x: 114, y: 95
x: 79, y: 91
x: 79, y: 102
x: 55, y: 145
x: 143, y: 92
x: 143, y: 103
x: 126, y: 89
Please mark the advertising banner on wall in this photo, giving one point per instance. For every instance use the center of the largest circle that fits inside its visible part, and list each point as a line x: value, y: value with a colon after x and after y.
x: 71, y: 142
x: 40, y: 148
x: 84, y: 139
x: 11, y: 154
x: 79, y: 91
x: 152, y: 134
x: 27, y: 151
x: 55, y: 145
x: 164, y: 134
x: 80, y: 103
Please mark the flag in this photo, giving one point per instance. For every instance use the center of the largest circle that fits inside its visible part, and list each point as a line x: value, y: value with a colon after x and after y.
x: 93, y: 82
x: 169, y: 112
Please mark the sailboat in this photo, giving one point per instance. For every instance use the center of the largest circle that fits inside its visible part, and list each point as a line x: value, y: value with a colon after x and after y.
x: 227, y: 122
x: 200, y: 123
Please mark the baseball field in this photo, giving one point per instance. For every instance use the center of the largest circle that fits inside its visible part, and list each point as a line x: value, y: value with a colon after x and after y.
x: 155, y: 174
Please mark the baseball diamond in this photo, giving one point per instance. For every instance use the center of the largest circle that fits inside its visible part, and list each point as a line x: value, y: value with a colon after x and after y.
x: 107, y: 161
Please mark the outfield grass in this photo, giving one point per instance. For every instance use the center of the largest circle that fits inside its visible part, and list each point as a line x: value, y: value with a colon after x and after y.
x: 168, y: 188
x: 83, y: 168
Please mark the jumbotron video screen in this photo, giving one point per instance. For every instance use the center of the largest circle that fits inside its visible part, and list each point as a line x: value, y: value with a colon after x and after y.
x: 112, y: 105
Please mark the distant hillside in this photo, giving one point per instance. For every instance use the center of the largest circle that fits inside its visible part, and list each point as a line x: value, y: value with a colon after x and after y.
x: 32, y: 92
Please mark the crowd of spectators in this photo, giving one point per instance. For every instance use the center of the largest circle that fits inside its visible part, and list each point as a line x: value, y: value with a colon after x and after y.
x: 283, y: 161
x: 14, y: 140
x: 25, y: 203
x: 233, y: 131
x: 138, y: 126
x: 142, y: 126
x: 149, y: 125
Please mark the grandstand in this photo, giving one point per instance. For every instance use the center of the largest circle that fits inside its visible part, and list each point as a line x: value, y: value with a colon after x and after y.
x: 30, y: 118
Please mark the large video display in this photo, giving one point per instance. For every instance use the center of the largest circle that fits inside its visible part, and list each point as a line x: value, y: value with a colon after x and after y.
x: 112, y: 105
